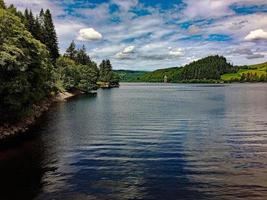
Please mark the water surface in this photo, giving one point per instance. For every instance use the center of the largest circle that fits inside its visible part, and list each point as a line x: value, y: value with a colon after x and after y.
x: 145, y: 141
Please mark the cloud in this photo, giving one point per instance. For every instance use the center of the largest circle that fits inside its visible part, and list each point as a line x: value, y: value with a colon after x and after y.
x: 249, y: 54
x: 207, y: 8
x: 255, y: 56
x: 89, y: 34
x: 258, y: 34
x: 216, y: 8
x: 126, y: 53
x: 125, y: 5
x: 176, y: 52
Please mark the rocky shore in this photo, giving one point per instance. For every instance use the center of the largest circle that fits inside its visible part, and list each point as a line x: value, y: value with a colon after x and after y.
x: 8, y: 131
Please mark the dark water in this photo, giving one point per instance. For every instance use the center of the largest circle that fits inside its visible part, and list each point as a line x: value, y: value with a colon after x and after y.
x: 146, y: 141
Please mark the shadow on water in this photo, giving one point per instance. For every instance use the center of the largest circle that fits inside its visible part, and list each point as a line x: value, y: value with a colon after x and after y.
x: 21, y: 170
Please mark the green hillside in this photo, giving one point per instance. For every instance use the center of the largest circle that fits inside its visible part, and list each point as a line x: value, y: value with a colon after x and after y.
x: 129, y: 75
x: 250, y: 73
x: 208, y: 69
x: 172, y: 74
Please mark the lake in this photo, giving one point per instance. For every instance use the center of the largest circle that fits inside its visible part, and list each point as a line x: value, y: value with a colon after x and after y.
x: 145, y: 141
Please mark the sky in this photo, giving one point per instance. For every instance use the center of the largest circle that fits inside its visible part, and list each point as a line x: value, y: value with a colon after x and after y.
x: 153, y: 34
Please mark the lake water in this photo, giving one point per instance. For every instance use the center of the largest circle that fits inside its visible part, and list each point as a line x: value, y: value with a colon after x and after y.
x: 145, y: 141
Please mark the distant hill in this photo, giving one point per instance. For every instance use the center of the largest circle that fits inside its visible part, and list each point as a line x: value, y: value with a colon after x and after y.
x: 129, y: 75
x: 208, y: 69
x: 172, y: 74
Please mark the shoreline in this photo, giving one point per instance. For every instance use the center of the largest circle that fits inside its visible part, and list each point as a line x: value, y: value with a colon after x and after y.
x: 11, y: 131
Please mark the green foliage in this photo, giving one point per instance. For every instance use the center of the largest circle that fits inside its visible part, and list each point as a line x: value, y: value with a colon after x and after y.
x: 71, y: 51
x: 41, y: 27
x: 50, y: 36
x: 25, y: 69
x: 211, y: 67
x: 253, y: 73
x: 173, y: 75
x: 82, y: 57
x: 88, y: 77
x: 105, y: 71
x: 115, y: 79
x: 75, y: 76
x: 129, y: 75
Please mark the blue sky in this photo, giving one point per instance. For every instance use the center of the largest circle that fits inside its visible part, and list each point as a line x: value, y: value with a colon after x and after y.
x: 152, y: 34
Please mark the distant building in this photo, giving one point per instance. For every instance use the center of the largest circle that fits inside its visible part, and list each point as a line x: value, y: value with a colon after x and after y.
x: 165, y: 79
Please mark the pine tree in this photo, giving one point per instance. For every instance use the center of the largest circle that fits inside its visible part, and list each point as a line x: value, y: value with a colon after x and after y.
x: 26, y: 18
x: 41, y: 17
x: 71, y: 51
x: 37, y: 30
x: 50, y: 36
x: 31, y: 22
x: 82, y: 57
x: 105, y: 71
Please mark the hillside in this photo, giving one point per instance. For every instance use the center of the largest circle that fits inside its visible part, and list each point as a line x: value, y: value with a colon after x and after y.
x: 172, y: 74
x: 129, y: 75
x: 208, y: 69
x: 256, y: 72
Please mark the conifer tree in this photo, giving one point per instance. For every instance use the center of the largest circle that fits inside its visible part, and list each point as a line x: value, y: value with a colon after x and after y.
x: 71, y: 51
x: 37, y: 30
x: 82, y: 57
x: 50, y: 36
x: 105, y: 71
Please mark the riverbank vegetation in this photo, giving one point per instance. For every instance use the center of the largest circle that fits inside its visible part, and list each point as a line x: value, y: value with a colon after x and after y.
x: 212, y: 69
x: 31, y: 67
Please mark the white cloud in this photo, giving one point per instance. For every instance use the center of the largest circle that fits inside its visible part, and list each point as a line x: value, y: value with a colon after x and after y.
x: 176, y: 52
x: 126, y: 53
x: 88, y: 34
x: 258, y: 34
x: 215, y: 8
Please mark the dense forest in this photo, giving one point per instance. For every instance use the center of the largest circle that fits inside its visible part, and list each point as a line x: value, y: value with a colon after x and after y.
x: 212, y: 69
x: 31, y: 67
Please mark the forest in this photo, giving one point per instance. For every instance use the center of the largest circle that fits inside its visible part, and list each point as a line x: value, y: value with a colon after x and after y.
x: 31, y: 67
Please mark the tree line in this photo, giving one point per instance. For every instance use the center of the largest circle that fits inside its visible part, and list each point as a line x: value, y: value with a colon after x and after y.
x: 31, y: 67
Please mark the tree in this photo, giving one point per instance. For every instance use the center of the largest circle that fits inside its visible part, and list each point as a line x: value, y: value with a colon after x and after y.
x: 77, y: 77
x: 25, y: 69
x: 105, y: 71
x: 88, y: 77
x: 82, y: 57
x: 68, y: 73
x: 71, y: 51
x: 50, y: 36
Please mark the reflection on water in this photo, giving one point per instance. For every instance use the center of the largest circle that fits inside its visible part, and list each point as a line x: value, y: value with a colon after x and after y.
x: 146, y: 141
